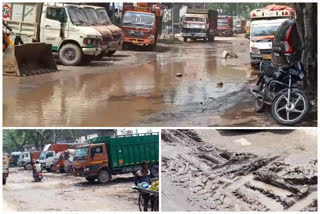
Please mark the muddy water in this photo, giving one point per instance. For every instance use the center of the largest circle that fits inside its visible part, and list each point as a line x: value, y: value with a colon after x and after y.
x: 122, y: 91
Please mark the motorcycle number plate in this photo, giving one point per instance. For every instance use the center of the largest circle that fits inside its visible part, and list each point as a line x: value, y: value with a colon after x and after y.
x: 267, y: 56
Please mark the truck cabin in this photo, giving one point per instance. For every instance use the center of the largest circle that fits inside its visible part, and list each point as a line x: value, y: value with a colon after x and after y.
x: 137, y: 19
x: 45, y: 155
x: 103, y: 16
x: 77, y: 17
x: 91, y: 15
x: 223, y: 23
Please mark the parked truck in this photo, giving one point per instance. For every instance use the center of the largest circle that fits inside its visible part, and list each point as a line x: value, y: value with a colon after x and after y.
x: 48, y: 155
x: 14, y: 157
x: 60, y: 25
x: 264, y: 24
x: 115, y: 40
x: 112, y: 155
x: 225, y: 26
x: 5, y: 168
x: 199, y: 24
x: 141, y: 24
x: 25, y: 159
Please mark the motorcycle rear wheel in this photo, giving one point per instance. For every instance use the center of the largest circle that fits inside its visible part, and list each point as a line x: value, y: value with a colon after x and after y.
x: 298, y: 106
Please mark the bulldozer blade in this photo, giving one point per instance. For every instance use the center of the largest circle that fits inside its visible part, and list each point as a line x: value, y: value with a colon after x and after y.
x: 28, y: 59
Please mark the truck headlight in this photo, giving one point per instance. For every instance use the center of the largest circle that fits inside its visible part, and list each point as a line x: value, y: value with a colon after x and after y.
x: 86, y: 169
x: 255, y: 50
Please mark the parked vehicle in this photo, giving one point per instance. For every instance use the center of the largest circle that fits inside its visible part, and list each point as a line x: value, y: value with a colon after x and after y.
x: 141, y: 24
x: 25, y: 159
x: 287, y: 41
x: 115, y: 40
x: 199, y: 24
x: 60, y: 162
x: 14, y: 157
x: 236, y: 25
x: 107, y: 156
x: 282, y: 88
x: 5, y: 168
x: 264, y: 24
x: 225, y: 26
x: 48, y: 154
x: 37, y: 171
x: 61, y: 25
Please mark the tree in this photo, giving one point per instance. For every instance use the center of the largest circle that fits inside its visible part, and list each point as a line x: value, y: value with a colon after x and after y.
x: 307, y: 28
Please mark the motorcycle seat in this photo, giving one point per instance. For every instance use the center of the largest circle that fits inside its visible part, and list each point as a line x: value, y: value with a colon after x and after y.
x: 268, y: 69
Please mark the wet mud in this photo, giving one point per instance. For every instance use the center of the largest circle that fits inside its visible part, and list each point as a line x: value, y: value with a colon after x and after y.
x: 59, y: 192
x: 199, y: 176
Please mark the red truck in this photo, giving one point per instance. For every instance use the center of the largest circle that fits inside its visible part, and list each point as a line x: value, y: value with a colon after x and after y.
x: 141, y: 24
x: 225, y: 26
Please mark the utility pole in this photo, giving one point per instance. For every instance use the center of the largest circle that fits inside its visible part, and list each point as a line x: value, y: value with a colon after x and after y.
x: 172, y: 21
x: 113, y: 12
x: 238, y: 9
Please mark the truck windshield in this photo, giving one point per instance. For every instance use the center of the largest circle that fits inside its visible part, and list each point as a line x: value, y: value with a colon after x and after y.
x: 91, y: 16
x: 77, y: 17
x: 264, y: 30
x: 103, y: 16
x: 42, y: 156
x: 133, y: 19
x: 195, y: 19
x: 81, y: 152
x: 222, y: 22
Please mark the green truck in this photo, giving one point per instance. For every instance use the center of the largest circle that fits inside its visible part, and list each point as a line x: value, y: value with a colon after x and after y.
x: 103, y: 157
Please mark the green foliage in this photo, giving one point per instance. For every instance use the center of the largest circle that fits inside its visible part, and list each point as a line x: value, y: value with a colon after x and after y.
x: 17, y: 139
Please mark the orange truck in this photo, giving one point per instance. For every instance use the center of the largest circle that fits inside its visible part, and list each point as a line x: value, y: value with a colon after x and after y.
x: 141, y: 24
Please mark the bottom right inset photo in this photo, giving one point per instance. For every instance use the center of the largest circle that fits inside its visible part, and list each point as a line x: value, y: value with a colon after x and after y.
x: 239, y: 170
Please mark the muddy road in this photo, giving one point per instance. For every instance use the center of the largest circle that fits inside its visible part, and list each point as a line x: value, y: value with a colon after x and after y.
x: 224, y: 170
x: 140, y: 88
x: 59, y: 192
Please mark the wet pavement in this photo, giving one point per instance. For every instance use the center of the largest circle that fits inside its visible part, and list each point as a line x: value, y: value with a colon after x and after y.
x: 59, y: 192
x: 139, y: 88
x: 233, y: 170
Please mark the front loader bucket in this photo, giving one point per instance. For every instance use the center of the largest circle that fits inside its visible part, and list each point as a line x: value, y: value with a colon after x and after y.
x: 28, y: 59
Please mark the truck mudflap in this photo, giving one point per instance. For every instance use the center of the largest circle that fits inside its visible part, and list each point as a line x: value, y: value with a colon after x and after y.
x: 17, y: 60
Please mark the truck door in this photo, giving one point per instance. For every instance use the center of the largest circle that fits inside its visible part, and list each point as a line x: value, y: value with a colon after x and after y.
x: 97, y: 154
x: 53, y: 26
x: 49, y: 158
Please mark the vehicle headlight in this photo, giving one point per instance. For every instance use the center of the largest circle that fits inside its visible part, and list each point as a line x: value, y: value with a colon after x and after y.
x: 86, y: 169
x: 255, y: 50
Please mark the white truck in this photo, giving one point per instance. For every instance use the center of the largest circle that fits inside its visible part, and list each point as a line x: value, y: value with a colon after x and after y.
x: 25, y: 159
x: 48, y: 154
x: 264, y: 24
x: 58, y: 24
x: 104, y: 24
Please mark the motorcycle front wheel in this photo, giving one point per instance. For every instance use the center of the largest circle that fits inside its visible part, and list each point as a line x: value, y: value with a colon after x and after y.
x: 290, y: 112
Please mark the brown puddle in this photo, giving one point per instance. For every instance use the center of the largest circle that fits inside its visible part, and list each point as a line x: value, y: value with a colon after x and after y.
x: 101, y: 95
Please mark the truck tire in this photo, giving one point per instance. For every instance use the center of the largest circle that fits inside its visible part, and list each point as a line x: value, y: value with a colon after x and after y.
x: 110, y: 53
x: 155, y: 171
x: 104, y: 176
x: 70, y: 54
x: 4, y: 181
x: 185, y: 39
x: 28, y: 166
x: 91, y: 179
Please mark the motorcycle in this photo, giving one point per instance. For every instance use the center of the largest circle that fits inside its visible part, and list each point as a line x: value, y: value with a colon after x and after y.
x: 281, y: 88
x: 36, y: 172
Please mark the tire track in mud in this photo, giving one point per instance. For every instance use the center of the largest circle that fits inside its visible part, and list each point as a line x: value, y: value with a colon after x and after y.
x: 212, y: 178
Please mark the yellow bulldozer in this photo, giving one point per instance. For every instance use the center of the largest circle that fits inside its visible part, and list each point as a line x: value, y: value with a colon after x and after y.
x: 21, y: 59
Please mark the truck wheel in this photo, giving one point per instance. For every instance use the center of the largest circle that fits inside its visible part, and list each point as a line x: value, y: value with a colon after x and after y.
x: 155, y: 170
x: 90, y: 179
x: 104, y: 176
x: 185, y: 39
x: 28, y: 166
x: 4, y: 181
x: 110, y: 53
x: 70, y: 54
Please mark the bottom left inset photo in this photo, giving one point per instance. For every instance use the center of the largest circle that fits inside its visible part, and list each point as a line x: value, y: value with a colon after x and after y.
x: 81, y: 169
